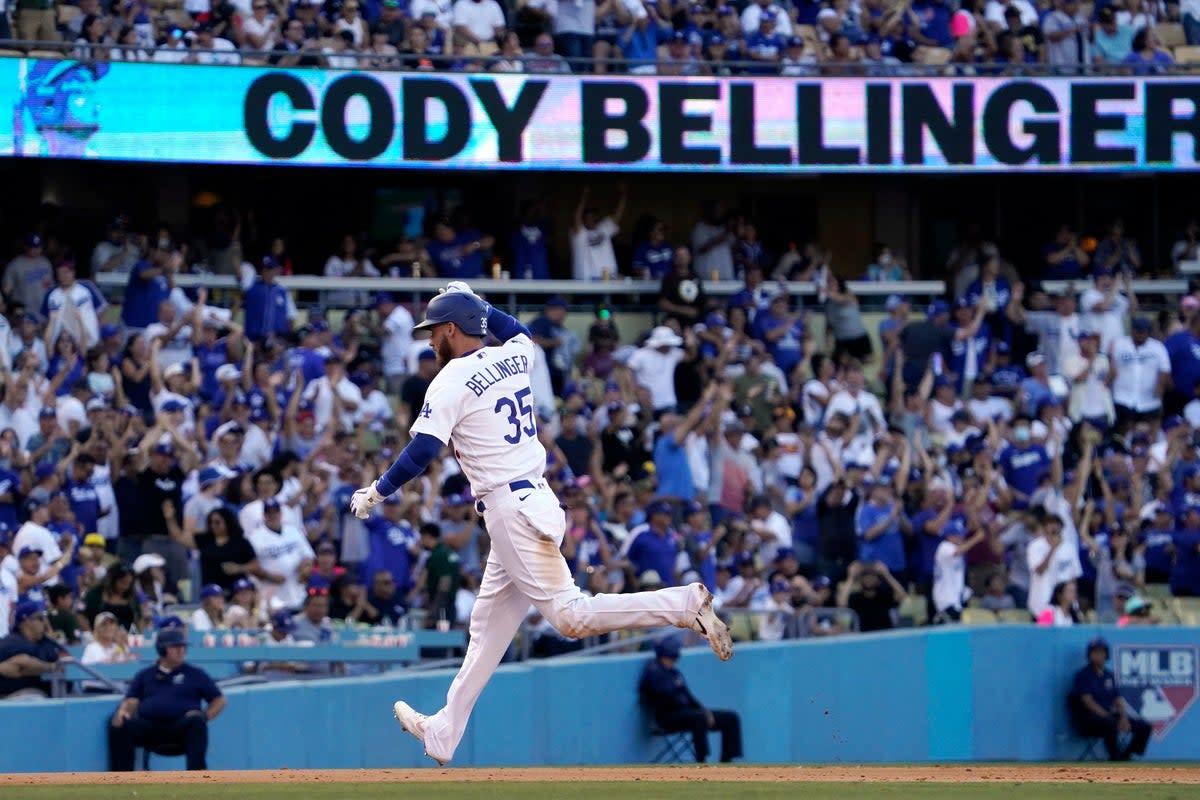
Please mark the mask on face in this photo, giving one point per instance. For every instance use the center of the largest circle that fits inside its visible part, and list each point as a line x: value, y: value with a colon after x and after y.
x: 164, y: 244
x: 941, y: 460
x: 1021, y: 434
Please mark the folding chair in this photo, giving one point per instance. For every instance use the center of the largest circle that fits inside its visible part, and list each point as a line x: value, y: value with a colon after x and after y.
x: 167, y: 749
x: 676, y: 745
x: 1093, y: 749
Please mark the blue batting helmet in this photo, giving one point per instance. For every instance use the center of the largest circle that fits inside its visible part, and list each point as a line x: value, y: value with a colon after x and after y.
x: 169, y: 637
x: 465, y: 310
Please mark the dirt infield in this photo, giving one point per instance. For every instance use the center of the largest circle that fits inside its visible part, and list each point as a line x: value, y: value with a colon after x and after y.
x: 999, y: 773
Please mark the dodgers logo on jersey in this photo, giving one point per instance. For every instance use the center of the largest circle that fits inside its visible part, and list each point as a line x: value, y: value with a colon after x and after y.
x: 1159, y: 682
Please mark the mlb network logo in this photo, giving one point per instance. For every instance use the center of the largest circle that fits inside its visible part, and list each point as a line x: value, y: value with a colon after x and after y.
x: 1159, y: 682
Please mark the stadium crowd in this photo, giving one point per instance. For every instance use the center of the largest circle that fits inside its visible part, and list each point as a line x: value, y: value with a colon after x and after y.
x: 1003, y: 449
x: 672, y: 37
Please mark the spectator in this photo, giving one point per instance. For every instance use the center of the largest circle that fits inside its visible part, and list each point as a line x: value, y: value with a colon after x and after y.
x: 479, y: 24
x: 679, y: 60
x: 663, y: 692
x: 109, y: 645
x: 27, y: 654
x: 654, y: 546
x: 560, y: 344
x: 1147, y: 53
x: 296, y: 48
x: 171, y: 702
x: 653, y: 367
x: 592, y: 254
x: 574, y: 29
x: 28, y: 277
x: 997, y: 11
x: 530, y: 258
x: 682, y: 296
x: 1057, y: 330
x: 752, y: 14
x: 442, y: 572
x: 1116, y: 252
x: 394, y: 329
x: 350, y: 20
x: 765, y: 46
x: 1097, y: 709
x: 1111, y: 42
x: 1066, y: 31
x: 284, y: 556
x: 844, y: 321
x: 712, y: 243
x: 260, y: 30
x: 876, y: 598
x: 455, y: 254
x: 211, y: 49
x: 1064, y: 258
x: 1089, y: 374
x: 1185, y: 572
x: 1107, y: 304
x: 931, y: 27
x: 116, y: 595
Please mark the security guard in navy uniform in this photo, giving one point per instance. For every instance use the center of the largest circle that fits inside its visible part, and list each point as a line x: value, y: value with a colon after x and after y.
x: 168, y: 705
x: 1098, y: 710
x: 664, y: 693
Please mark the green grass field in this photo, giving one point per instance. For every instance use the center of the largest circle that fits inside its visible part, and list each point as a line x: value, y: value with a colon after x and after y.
x: 696, y: 790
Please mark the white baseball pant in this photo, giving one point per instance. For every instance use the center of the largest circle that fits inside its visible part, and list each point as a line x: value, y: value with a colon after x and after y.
x: 525, y: 567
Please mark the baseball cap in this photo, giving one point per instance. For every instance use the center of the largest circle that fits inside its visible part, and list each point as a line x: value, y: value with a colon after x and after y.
x: 269, y: 262
x: 326, y: 547
x: 693, y: 507
x: 270, y: 504
x: 147, y: 561
x: 96, y: 404
x: 457, y: 500
x: 393, y: 499
x: 716, y: 38
x: 44, y: 471
x: 1087, y: 333
x: 241, y: 584
x: 1140, y: 323
x: 29, y: 551
x: 33, y: 240
x: 164, y: 449
x: 667, y: 648
x: 795, y: 41
x: 211, y: 590
x: 210, y: 475
x: 384, y: 297
x: 173, y: 405
x: 779, y: 587
x: 227, y: 372
x: 427, y: 355
x: 27, y: 609
x: 1135, y: 603
x: 784, y: 552
x: 94, y: 540
x: 821, y: 582
x: 47, y: 411
x: 894, y: 301
x: 954, y: 527
x: 659, y: 507
x: 1125, y: 590
x: 282, y: 621
x: 108, y: 330
x: 937, y: 308
x: 1003, y: 347
x: 33, y: 503
x: 650, y: 578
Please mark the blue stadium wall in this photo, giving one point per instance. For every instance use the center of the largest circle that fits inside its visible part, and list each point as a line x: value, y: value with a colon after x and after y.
x: 947, y: 695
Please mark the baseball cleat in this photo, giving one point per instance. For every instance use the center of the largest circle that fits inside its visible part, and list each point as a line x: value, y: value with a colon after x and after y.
x: 710, y: 626
x: 412, y: 721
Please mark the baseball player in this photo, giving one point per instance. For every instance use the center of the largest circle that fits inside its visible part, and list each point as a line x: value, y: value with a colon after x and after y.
x: 482, y: 399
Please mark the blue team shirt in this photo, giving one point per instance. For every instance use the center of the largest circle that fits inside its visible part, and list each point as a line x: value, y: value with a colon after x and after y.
x: 1158, y: 557
x: 1023, y: 469
x: 388, y: 547
x: 452, y: 261
x: 1184, y: 352
x: 671, y: 467
x: 935, y: 21
x: 1006, y: 379
x: 211, y: 357
x: 266, y: 307
x: 1035, y: 393
x: 653, y: 258
x: 529, y: 253
x: 888, y: 547
x: 981, y: 343
x: 9, y: 482
x: 927, y: 544
x: 1185, y: 575
x: 143, y: 295
x: 648, y: 550
x: 787, y: 350
x: 804, y: 524
x: 85, y: 504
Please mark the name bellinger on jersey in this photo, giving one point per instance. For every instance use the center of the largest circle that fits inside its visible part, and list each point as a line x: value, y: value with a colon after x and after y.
x: 484, y: 398
x: 493, y: 373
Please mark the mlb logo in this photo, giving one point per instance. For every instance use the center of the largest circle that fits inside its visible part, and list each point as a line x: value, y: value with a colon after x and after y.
x: 1159, y: 682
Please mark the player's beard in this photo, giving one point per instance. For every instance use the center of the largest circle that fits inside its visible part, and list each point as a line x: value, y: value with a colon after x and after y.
x: 445, y: 354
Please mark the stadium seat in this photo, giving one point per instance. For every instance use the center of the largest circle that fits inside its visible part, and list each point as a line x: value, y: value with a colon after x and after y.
x: 1158, y: 593
x: 979, y: 616
x: 932, y: 55
x: 1187, y: 609
x: 66, y: 14
x: 1015, y: 616
x: 1187, y: 54
x: 1171, y: 34
x: 12, y: 53
x: 914, y: 611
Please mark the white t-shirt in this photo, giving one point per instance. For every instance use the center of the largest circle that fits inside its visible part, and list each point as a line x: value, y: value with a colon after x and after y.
x: 201, y: 621
x: 656, y: 372
x: 777, y: 524
x: 1057, y: 336
x: 752, y: 17
x: 993, y: 408
x: 320, y: 394
x: 71, y: 410
x: 33, y: 535
x: 96, y: 653
x: 267, y: 28
x: 109, y: 525
x: 949, y: 576
x: 397, y: 341
x: 8, y: 598
x: 1138, y: 369
x: 337, y: 267
x: 1110, y: 324
x: 224, y: 53
x: 592, y: 251
x: 84, y: 324
x: 282, y: 554
x: 720, y: 258
x: 483, y: 401
x: 443, y: 11
x: 481, y: 18
x: 865, y: 406
x: 173, y: 351
x: 1090, y: 397
x: 814, y: 412
x: 376, y: 410
x: 994, y: 12
x: 1062, y: 568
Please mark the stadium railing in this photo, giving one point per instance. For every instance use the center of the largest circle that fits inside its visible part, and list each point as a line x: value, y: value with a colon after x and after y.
x: 1186, y: 63
x: 513, y: 289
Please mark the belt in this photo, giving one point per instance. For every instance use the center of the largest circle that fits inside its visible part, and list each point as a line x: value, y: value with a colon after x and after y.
x: 515, y: 486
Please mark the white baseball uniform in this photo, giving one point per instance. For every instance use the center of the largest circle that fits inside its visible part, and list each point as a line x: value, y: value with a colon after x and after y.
x: 482, y: 403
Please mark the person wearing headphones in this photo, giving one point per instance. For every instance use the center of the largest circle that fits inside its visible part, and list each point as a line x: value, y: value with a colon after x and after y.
x: 167, y: 705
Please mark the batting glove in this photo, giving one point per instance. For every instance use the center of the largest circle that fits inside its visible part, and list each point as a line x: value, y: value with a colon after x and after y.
x: 364, y: 500
x: 456, y: 286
